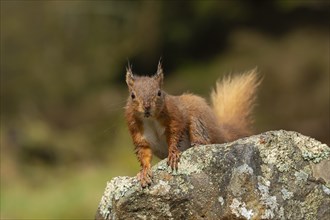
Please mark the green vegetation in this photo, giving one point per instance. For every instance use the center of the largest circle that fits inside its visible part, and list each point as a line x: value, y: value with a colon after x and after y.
x: 63, y: 133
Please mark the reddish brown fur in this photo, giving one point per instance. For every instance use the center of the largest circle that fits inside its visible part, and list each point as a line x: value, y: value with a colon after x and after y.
x: 184, y: 121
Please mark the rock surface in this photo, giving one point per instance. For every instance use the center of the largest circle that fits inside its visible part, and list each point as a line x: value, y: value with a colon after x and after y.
x: 274, y: 175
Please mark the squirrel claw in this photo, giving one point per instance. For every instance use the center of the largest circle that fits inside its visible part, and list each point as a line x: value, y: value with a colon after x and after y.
x: 173, y: 160
x: 145, y: 177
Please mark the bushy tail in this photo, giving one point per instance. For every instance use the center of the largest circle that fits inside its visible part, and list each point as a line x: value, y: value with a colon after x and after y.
x: 233, y: 100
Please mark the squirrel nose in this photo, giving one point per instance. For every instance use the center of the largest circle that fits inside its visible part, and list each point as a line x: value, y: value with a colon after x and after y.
x: 147, y: 112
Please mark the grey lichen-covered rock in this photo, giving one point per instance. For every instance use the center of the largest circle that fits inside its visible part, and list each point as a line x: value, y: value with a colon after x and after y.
x: 274, y: 175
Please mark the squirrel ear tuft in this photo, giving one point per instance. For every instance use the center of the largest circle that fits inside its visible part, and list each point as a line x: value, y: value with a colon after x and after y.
x: 160, y: 75
x: 129, y: 76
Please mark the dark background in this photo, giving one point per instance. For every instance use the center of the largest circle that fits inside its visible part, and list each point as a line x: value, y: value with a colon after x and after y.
x: 63, y: 63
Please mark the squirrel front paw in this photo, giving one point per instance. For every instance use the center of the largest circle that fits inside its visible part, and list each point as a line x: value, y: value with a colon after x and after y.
x: 145, y: 177
x: 173, y: 159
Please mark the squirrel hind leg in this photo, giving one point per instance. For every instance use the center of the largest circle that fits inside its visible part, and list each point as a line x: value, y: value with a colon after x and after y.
x: 198, y: 132
x: 230, y: 133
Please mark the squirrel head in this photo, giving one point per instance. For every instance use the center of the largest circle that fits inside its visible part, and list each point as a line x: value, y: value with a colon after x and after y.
x: 146, y: 94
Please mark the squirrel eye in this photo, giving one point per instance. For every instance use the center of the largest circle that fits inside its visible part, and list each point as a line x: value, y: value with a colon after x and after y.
x: 132, y: 95
x: 159, y: 93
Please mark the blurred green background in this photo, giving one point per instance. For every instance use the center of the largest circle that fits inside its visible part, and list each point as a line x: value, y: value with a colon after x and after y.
x: 63, y: 133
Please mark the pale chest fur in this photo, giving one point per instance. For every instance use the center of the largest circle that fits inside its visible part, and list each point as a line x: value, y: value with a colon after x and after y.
x: 154, y: 134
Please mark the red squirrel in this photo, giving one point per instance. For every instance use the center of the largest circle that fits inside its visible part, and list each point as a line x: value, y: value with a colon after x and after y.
x: 165, y: 125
